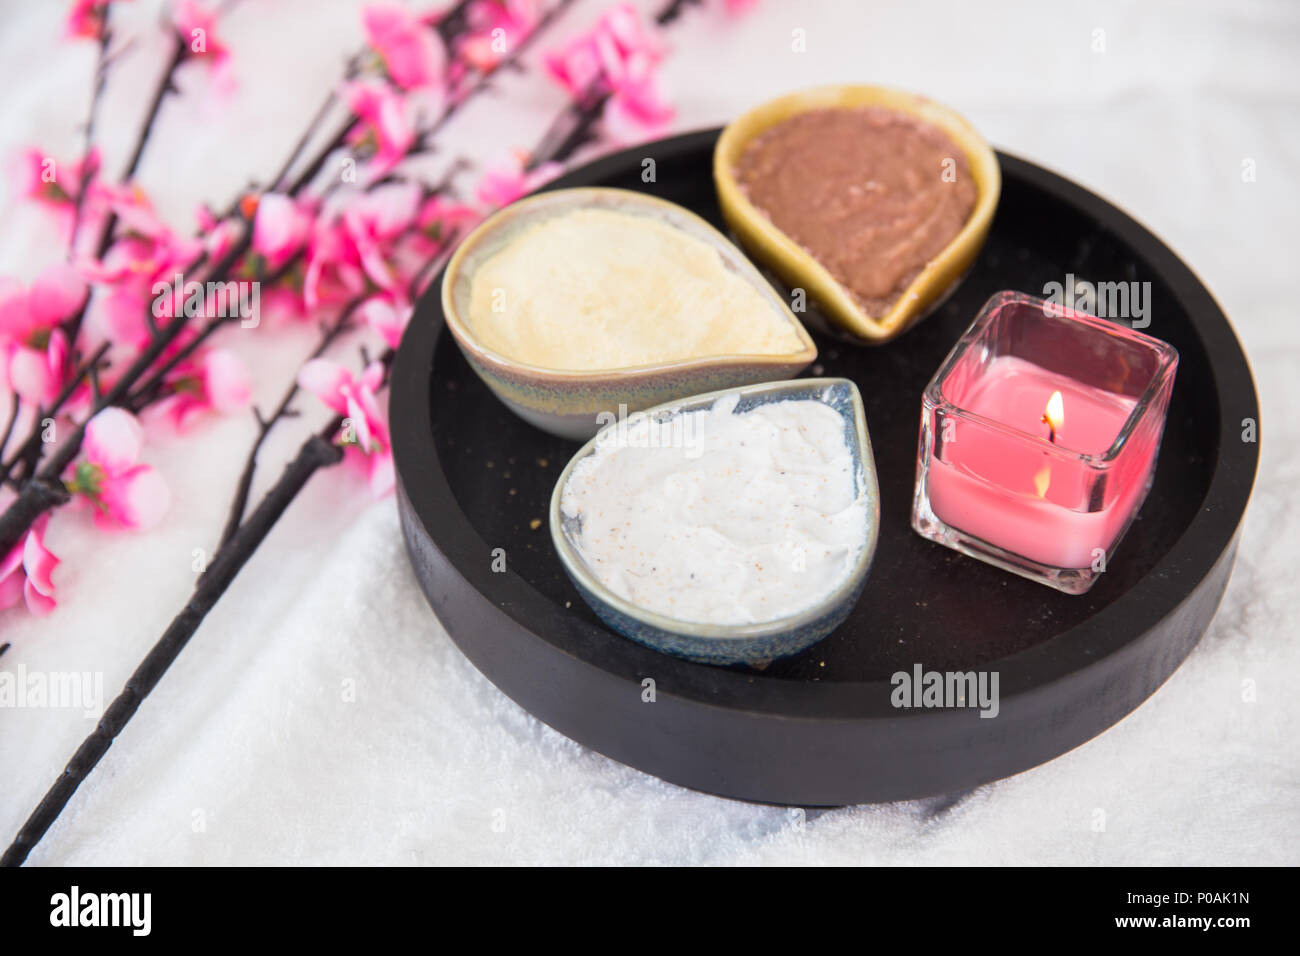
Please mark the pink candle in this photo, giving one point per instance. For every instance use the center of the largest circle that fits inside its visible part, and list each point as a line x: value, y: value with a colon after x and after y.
x: 1048, y: 519
x: 1039, y: 439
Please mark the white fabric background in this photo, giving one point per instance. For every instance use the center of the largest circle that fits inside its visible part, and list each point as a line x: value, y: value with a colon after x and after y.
x: 249, y: 733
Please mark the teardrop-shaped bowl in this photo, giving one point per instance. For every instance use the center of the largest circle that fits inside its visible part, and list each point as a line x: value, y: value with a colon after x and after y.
x: 798, y: 268
x: 573, y: 404
x: 754, y: 644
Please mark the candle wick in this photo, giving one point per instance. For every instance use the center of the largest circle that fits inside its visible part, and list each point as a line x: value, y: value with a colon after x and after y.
x: 1051, y: 429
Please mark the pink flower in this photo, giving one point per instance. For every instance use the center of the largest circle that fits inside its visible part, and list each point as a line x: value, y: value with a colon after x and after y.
x: 217, y: 380
x: 37, y: 177
x: 284, y: 300
x: 86, y: 19
x: 148, y: 249
x: 280, y: 229
x: 387, y: 315
x: 40, y: 177
x: 738, y: 8
x: 124, y: 494
x: 26, y: 573
x: 364, y: 435
x: 617, y: 49
x: 577, y: 66
x: 133, y: 208
x: 194, y: 22
x: 505, y: 182
x: 412, y: 52
x: 496, y: 28
x: 334, y: 271
x: 438, y: 221
x: 617, y: 57
x: 33, y: 349
x: 36, y: 374
x: 218, y: 235
x: 57, y: 292
x: 437, y: 216
x: 375, y: 220
x: 636, y: 111
x: 120, y: 316
x: 384, y: 123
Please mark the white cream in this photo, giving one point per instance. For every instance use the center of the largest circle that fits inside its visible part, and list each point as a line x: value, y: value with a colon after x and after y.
x: 721, y: 518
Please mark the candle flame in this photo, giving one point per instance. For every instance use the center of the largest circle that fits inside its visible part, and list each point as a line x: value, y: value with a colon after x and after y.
x: 1043, y: 480
x: 1055, y: 414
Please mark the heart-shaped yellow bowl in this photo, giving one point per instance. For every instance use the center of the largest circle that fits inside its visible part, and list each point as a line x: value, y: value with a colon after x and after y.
x: 798, y: 268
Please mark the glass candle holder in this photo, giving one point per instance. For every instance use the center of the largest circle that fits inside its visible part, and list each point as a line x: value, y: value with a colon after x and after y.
x: 1039, y: 436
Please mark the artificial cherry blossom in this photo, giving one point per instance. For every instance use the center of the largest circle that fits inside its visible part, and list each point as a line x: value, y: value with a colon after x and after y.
x: 216, y: 380
x: 384, y: 123
x: 33, y: 348
x: 364, y: 435
x: 123, y: 492
x: 26, y: 572
x: 412, y: 51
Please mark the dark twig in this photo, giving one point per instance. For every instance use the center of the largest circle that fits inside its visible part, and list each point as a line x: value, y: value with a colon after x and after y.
x: 316, y: 453
x: 165, y: 85
x: 572, y: 130
x: 485, y: 79
x: 14, y: 408
x: 576, y: 126
x: 322, y: 111
x: 452, y: 23
x: 329, y: 334
x: 96, y: 96
x: 674, y: 10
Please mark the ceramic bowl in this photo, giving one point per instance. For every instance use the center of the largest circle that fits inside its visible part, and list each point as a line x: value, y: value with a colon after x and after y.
x: 574, y: 404
x: 754, y: 644
x: 798, y: 268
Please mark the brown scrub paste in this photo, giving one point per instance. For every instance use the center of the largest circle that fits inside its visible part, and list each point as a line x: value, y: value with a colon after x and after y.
x: 871, y: 193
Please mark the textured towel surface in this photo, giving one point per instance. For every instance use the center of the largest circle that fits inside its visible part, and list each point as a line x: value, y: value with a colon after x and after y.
x: 321, y: 715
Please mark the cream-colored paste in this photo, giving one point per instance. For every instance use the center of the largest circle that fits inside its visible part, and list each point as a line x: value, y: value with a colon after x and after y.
x: 598, y: 289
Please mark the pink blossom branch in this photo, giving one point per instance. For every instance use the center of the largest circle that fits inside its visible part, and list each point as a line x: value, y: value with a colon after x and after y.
x: 425, y: 137
x: 148, y: 391
x: 45, y: 490
x: 319, y: 451
x: 96, y: 97
x: 166, y: 84
x: 485, y: 79
x: 278, y: 180
x: 18, y: 517
x: 26, y: 451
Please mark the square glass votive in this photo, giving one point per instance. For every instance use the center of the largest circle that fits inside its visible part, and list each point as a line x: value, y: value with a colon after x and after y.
x: 1039, y: 436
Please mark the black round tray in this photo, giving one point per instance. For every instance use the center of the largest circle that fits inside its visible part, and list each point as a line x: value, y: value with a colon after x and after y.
x: 819, y: 729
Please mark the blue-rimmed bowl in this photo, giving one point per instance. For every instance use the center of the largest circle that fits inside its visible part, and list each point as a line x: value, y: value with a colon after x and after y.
x: 754, y: 644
